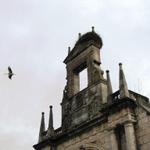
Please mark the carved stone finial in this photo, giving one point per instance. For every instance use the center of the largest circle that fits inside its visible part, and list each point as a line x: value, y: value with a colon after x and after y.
x: 69, y: 49
x: 65, y: 93
x: 50, y: 131
x: 93, y: 29
x: 123, y: 88
x: 120, y: 65
x: 79, y: 35
x: 42, y: 127
x: 109, y: 86
x: 50, y: 117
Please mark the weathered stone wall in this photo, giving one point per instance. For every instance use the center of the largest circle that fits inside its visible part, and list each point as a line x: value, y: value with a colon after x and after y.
x: 143, y: 129
x: 96, y: 118
x: 103, y: 137
x: 97, y: 137
x: 120, y: 117
x: 84, y: 105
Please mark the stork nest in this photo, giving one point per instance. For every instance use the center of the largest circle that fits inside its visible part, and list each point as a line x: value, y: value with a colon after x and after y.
x: 90, y: 36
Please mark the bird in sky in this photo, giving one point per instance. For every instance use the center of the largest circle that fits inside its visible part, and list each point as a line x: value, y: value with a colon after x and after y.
x: 10, y: 73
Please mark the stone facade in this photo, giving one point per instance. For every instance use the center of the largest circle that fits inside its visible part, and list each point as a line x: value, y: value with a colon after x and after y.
x: 143, y: 129
x: 96, y: 118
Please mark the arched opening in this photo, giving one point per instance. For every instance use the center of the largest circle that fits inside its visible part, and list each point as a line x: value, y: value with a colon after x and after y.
x: 83, y: 79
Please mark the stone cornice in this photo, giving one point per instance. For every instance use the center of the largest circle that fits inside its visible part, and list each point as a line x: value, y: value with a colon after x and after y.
x: 73, y: 53
x: 118, y: 105
x: 70, y: 133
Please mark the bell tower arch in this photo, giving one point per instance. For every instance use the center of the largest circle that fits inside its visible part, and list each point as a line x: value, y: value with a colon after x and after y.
x: 76, y: 102
x: 85, y: 54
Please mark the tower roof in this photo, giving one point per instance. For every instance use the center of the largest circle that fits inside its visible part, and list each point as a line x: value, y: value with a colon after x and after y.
x: 123, y: 87
x: 42, y: 127
x: 50, y: 131
x: 87, y: 39
x: 90, y: 36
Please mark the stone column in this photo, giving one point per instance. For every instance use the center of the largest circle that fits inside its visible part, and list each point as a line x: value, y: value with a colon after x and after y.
x: 130, y: 136
x: 89, y: 72
x: 76, y: 83
x: 113, y: 140
x: 73, y: 82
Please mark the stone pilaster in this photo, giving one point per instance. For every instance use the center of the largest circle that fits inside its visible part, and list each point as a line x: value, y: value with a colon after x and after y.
x: 113, y: 140
x: 130, y: 136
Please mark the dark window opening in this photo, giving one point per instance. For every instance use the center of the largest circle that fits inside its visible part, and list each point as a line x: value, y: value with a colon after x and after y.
x: 83, y: 79
x: 121, y: 139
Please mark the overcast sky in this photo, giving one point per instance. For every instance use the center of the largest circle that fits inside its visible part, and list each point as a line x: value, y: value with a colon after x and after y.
x: 34, y: 36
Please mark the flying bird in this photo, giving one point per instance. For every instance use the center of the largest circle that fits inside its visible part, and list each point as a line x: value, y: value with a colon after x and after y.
x: 10, y: 73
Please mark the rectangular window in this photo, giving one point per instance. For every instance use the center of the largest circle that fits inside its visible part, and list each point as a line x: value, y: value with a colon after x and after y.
x: 83, y: 79
x: 121, y: 139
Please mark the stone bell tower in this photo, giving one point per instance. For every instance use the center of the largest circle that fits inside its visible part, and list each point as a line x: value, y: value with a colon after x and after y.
x: 79, y: 106
x: 96, y: 118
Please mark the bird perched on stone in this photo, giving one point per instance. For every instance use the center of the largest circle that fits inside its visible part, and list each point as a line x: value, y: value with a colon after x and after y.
x: 10, y: 73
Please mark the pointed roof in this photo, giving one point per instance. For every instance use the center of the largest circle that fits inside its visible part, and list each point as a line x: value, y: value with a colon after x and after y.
x: 69, y: 50
x: 87, y: 39
x: 42, y: 127
x: 50, y: 131
x: 123, y: 88
x: 109, y: 86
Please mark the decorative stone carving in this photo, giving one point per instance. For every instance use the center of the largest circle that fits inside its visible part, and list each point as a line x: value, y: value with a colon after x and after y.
x: 67, y: 122
x: 96, y: 72
x: 65, y: 93
x: 93, y: 109
x: 79, y: 100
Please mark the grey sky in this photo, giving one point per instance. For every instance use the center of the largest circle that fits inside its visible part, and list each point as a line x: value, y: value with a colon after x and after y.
x: 34, y: 36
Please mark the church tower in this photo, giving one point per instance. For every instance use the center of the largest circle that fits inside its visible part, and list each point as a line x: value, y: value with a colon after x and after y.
x: 96, y: 118
x: 78, y: 105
